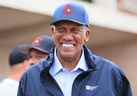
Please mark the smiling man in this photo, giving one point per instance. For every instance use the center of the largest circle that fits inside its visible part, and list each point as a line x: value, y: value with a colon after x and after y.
x: 69, y: 39
x: 72, y: 69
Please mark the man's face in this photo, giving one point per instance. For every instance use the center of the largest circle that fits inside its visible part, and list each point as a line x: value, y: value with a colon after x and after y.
x: 36, y: 56
x: 69, y: 38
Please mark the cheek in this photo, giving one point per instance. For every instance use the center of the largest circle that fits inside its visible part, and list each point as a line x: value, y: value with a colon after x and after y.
x: 80, y: 40
x: 57, y: 38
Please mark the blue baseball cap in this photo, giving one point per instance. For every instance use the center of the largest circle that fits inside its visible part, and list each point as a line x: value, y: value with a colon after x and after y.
x: 43, y: 44
x: 71, y: 12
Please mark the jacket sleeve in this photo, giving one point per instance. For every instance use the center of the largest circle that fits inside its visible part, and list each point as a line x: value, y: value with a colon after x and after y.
x: 121, y: 83
x: 22, y: 86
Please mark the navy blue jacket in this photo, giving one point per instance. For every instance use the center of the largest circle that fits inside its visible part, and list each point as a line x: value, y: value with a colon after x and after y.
x: 103, y: 78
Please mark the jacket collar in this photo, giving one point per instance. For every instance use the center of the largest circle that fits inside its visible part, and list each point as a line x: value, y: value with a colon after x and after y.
x: 90, y: 58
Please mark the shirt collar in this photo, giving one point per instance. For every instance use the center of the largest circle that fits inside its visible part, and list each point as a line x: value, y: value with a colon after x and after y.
x: 82, y: 63
x: 57, y: 66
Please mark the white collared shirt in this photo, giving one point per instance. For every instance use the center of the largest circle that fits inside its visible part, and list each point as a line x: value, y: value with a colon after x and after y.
x: 64, y: 77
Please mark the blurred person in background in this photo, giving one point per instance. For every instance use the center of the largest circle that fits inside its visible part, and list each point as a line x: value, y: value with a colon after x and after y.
x: 1, y: 78
x: 18, y: 63
x: 40, y: 49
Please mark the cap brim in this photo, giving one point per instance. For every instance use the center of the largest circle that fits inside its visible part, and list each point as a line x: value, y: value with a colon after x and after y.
x: 66, y: 19
x: 39, y: 49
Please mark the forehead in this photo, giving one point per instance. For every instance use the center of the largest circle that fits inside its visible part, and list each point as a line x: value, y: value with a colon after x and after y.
x: 61, y: 23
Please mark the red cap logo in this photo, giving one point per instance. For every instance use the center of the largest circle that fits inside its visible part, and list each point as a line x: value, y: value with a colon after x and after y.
x: 36, y: 41
x: 67, y: 10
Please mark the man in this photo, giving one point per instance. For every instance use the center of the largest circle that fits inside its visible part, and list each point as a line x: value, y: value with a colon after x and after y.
x: 40, y: 49
x: 18, y: 63
x: 72, y: 69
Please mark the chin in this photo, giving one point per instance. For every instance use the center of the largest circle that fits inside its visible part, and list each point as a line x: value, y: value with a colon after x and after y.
x: 68, y: 57
x: 67, y: 54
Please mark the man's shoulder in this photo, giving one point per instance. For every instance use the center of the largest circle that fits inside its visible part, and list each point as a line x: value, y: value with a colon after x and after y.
x: 108, y: 67
x: 105, y: 63
x: 99, y: 61
x: 35, y: 73
x: 39, y: 66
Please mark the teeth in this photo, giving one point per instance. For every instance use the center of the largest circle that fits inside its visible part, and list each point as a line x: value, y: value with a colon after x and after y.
x: 67, y: 45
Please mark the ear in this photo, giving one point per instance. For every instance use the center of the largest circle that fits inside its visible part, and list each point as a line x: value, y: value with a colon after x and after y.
x: 86, y: 34
x: 52, y: 30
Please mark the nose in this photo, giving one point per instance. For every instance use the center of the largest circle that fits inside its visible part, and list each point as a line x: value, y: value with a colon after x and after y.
x: 68, y: 37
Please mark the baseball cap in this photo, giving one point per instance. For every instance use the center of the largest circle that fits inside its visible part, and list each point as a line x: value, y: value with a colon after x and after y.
x: 71, y: 12
x: 18, y: 54
x: 43, y: 43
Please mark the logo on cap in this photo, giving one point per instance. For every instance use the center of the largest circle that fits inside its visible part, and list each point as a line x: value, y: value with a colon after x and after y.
x: 36, y: 41
x: 67, y: 10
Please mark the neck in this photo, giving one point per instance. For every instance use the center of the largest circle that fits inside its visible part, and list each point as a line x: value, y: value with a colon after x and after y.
x: 15, y: 77
x: 16, y: 74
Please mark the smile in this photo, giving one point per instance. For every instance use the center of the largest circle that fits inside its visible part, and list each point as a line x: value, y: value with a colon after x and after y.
x: 67, y: 45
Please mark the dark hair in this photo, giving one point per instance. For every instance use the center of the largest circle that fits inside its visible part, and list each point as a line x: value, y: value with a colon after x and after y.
x: 18, y: 54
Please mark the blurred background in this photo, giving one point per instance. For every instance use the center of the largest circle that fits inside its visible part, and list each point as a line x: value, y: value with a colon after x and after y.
x: 113, y: 29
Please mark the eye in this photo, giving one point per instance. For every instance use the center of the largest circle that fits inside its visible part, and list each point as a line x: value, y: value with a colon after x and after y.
x: 76, y: 30
x: 61, y: 30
